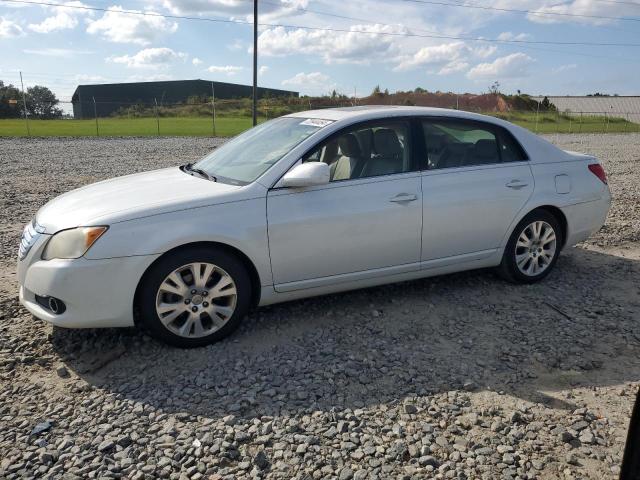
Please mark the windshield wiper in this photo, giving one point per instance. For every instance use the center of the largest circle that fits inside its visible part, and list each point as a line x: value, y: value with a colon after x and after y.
x: 189, y: 168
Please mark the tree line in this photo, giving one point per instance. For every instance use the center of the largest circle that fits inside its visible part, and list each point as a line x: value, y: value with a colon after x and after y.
x: 40, y: 102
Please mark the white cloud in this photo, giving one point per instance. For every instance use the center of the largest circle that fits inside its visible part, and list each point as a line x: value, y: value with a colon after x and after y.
x: 337, y: 47
x: 592, y: 8
x: 57, y: 52
x: 234, y: 8
x: 196, y: 61
x: 9, y: 29
x: 149, y: 58
x: 150, y: 77
x: 123, y: 28
x: 262, y: 70
x: 449, y: 58
x: 456, y: 66
x: 509, y: 66
x: 312, y: 83
x: 64, y: 18
x: 513, y: 36
x: 226, y: 69
x: 435, y: 54
x: 564, y: 68
x: 89, y: 78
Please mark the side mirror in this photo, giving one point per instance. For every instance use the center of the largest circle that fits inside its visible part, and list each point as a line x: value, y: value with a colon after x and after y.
x: 307, y: 175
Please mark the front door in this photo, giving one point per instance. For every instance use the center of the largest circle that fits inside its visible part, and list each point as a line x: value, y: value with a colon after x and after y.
x: 366, y: 222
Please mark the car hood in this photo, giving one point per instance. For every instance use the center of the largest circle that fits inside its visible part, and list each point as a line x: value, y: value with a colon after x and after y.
x: 130, y: 197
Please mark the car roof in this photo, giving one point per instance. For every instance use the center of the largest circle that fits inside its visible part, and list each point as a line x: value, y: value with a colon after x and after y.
x: 366, y: 112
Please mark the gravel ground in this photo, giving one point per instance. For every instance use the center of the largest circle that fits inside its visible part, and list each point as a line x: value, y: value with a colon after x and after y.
x: 462, y: 376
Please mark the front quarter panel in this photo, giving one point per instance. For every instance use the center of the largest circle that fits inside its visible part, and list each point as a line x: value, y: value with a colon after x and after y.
x: 240, y: 224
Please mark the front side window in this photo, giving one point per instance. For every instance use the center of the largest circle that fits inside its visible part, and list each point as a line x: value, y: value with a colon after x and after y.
x: 452, y: 143
x: 370, y: 150
x: 250, y: 154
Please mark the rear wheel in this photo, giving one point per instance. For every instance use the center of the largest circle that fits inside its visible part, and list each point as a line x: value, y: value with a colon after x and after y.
x: 194, y: 297
x: 532, y: 249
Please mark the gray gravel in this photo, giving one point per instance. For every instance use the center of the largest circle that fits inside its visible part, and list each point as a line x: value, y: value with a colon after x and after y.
x: 462, y: 376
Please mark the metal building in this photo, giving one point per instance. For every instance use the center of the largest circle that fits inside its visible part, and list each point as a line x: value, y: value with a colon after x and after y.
x: 627, y: 107
x: 104, y: 99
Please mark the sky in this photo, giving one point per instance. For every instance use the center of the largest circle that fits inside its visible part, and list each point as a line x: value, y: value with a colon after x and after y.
x: 350, y: 46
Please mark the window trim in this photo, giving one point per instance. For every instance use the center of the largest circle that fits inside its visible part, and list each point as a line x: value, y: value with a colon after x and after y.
x: 497, y: 130
x: 414, y: 161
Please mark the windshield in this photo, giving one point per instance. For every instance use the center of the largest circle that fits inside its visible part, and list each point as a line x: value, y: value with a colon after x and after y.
x: 249, y: 155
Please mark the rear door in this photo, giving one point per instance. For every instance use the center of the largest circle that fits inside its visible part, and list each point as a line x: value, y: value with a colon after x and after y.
x: 477, y: 180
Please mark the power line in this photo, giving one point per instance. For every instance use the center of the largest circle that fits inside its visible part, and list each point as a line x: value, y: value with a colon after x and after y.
x: 328, y: 29
x: 619, y: 2
x: 527, y: 12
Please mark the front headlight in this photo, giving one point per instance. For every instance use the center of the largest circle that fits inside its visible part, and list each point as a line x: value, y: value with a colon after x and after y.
x: 72, y: 243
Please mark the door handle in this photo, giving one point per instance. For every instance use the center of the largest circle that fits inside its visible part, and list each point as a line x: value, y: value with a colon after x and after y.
x: 404, y: 197
x: 516, y: 184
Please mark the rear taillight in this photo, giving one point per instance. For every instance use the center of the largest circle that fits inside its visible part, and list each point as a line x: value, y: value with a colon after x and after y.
x: 599, y: 172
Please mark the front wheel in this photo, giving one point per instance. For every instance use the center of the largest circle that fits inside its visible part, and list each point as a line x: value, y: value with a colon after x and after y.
x: 194, y: 297
x: 532, y: 249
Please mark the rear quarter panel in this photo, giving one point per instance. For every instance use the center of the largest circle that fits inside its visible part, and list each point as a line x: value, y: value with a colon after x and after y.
x: 569, y: 185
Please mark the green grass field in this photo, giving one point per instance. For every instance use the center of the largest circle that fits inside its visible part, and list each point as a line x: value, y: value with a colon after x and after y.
x: 554, y: 123
x: 229, y: 126
x: 116, y: 127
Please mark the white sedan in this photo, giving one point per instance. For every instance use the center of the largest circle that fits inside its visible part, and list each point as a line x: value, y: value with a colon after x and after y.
x: 307, y: 204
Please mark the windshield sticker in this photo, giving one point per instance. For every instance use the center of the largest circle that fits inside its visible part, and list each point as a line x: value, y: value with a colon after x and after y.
x: 316, y: 122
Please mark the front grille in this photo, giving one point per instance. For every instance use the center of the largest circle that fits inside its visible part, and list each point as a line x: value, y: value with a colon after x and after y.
x: 30, y: 235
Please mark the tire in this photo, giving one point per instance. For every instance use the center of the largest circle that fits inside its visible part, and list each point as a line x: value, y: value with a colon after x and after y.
x: 530, y: 262
x: 194, y: 297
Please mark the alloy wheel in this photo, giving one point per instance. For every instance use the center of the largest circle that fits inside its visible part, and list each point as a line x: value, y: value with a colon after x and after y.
x: 196, y: 300
x: 535, y: 248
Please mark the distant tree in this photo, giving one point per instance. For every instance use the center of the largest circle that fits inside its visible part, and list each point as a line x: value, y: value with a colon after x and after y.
x: 376, y: 91
x: 10, y: 101
x: 546, y: 105
x: 386, y: 91
x: 334, y: 94
x: 419, y: 90
x: 519, y: 92
x: 495, y: 88
x: 41, y: 103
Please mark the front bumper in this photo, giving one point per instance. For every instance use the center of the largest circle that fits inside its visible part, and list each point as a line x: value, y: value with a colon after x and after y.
x: 97, y: 293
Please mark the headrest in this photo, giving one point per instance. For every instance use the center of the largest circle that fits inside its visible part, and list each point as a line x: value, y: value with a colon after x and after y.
x: 435, y: 143
x: 331, y: 151
x: 349, y: 145
x: 457, y: 148
x: 486, y: 148
x: 386, y: 142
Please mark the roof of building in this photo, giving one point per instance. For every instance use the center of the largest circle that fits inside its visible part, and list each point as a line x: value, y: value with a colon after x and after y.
x: 173, y: 85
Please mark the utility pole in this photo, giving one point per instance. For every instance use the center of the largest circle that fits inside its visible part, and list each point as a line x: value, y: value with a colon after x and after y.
x: 213, y: 109
x: 24, y: 104
x: 255, y: 63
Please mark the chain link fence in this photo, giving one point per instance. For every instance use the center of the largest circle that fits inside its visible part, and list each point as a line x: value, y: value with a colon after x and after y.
x: 213, y: 117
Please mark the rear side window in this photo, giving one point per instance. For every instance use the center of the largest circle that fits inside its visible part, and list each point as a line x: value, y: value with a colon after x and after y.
x: 461, y: 143
x: 510, y: 149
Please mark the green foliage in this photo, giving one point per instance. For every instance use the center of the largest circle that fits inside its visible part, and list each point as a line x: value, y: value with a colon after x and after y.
x: 7, y: 93
x: 41, y: 103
